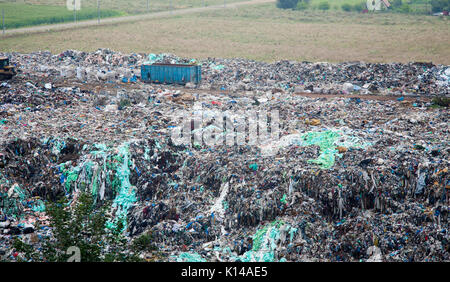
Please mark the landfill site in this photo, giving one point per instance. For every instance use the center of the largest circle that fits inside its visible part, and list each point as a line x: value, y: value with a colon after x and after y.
x: 358, y: 170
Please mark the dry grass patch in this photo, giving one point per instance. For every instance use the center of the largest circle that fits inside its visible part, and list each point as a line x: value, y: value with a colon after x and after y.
x: 263, y: 33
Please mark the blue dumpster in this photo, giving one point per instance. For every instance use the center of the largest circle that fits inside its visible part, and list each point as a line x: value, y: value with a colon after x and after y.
x: 171, y: 73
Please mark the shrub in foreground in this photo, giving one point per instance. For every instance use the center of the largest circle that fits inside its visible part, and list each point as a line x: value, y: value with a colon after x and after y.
x: 287, y: 4
x: 324, y: 6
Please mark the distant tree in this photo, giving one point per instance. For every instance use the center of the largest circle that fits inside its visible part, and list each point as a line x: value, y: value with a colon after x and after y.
x: 346, y: 7
x: 359, y: 7
x: 404, y: 8
x: 302, y: 5
x: 396, y: 3
x: 324, y: 6
x: 82, y: 226
x: 287, y: 4
x: 440, y: 5
x: 400, y: 6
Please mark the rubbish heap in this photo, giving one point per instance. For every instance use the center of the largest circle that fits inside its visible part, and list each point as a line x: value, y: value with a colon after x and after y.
x: 104, y: 65
x: 328, y: 78
x: 349, y: 179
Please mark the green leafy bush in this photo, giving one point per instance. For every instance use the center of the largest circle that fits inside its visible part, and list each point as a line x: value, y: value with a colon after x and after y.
x: 123, y: 103
x: 442, y: 102
x: 346, y: 7
x: 396, y: 4
x: 324, y: 6
x: 143, y: 243
x: 404, y: 8
x: 287, y: 4
x: 303, y: 5
x: 359, y: 7
x: 82, y: 226
x: 440, y: 5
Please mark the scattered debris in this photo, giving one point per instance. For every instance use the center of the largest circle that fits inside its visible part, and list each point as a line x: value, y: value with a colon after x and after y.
x: 349, y: 179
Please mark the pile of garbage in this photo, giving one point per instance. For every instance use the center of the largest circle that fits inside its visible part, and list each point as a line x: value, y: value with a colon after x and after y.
x: 329, y: 78
x: 348, y: 179
x: 104, y: 65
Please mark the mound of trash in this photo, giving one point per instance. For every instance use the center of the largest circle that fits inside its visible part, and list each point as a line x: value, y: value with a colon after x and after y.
x: 237, y: 74
x: 345, y: 179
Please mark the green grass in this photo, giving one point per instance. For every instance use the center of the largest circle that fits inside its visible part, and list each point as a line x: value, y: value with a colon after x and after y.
x: 417, y: 6
x: 140, y: 6
x: 263, y: 33
x: 20, y: 15
x: 334, y: 4
x: 128, y: 6
x: 268, y: 12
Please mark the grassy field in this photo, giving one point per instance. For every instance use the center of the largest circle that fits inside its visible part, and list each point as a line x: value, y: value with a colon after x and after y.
x: 265, y: 33
x: 415, y: 5
x: 334, y: 4
x: 22, y: 13
x: 128, y: 6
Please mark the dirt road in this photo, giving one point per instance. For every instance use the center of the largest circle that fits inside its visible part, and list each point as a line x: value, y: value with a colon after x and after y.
x: 373, y: 97
x: 107, y: 21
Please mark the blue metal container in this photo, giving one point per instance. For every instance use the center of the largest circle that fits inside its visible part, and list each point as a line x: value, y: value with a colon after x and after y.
x: 171, y: 73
